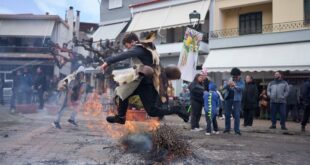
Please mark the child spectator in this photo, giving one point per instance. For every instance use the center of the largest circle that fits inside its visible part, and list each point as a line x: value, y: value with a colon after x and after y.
x: 211, y: 104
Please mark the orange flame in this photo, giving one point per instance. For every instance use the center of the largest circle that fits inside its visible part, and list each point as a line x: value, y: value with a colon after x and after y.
x: 137, y: 121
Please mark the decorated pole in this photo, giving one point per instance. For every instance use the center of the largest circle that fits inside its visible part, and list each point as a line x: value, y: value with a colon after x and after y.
x: 189, y: 54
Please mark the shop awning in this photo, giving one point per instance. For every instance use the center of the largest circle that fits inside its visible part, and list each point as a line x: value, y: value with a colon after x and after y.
x: 284, y: 57
x: 33, y: 28
x: 108, y: 31
x: 168, y: 17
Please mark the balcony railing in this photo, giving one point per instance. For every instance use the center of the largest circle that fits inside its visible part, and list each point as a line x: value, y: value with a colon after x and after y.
x: 23, y: 49
x: 267, y: 28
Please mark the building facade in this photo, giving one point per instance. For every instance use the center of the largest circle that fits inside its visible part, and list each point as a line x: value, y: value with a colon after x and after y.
x: 168, y: 19
x: 259, y: 37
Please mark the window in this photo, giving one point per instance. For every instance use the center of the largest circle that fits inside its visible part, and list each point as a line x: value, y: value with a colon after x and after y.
x: 175, y: 34
x: 307, y: 11
x: 250, y: 23
x: 115, y: 4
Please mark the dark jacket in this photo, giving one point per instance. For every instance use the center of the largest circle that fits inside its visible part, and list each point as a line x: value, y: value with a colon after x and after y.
x: 292, y: 98
x: 25, y: 82
x: 277, y: 91
x: 305, y: 93
x: 206, y: 83
x: 16, y: 82
x: 139, y: 52
x: 196, y: 91
x: 40, y: 82
x: 1, y: 82
x: 250, y: 96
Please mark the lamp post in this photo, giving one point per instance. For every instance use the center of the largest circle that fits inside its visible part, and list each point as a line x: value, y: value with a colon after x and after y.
x: 194, y: 19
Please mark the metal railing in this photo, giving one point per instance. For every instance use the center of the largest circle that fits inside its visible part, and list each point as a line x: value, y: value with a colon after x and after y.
x: 267, y: 28
x: 23, y: 49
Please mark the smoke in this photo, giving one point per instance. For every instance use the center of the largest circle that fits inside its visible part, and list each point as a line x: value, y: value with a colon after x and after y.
x: 137, y: 143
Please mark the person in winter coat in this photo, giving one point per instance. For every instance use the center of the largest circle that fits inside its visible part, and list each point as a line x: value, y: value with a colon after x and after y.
x: 1, y: 89
x: 153, y: 100
x: 305, y: 96
x: 211, y: 104
x: 278, y: 91
x: 292, y: 101
x: 196, y: 89
x: 233, y: 98
x: 40, y: 84
x: 249, y: 101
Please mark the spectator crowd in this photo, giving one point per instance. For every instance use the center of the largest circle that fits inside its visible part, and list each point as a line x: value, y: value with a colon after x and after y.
x: 237, y: 98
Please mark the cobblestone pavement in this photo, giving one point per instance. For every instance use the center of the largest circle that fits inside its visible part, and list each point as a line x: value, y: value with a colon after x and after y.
x: 30, y: 139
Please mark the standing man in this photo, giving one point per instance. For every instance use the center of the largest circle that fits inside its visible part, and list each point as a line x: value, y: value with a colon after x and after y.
x: 305, y: 96
x: 144, y: 86
x: 277, y: 91
x: 40, y: 85
x: 249, y: 101
x: 233, y: 99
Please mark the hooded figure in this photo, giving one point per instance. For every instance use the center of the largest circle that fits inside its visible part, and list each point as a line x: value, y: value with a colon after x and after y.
x: 211, y: 100
x: 211, y: 104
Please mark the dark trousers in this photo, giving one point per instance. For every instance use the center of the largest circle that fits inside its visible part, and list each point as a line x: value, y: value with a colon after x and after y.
x: 278, y: 108
x: 248, y: 116
x: 232, y: 107
x: 211, y: 120
x: 13, y: 100
x: 306, y: 115
x: 1, y: 96
x: 41, y: 98
x: 196, y: 113
x: 294, y: 112
x: 150, y: 100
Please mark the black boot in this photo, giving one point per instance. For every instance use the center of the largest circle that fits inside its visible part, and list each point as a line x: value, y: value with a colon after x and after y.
x: 116, y: 119
x: 181, y: 113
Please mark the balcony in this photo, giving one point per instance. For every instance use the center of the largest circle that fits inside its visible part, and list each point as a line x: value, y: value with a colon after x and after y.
x: 269, y: 28
x: 23, y: 49
x: 287, y: 32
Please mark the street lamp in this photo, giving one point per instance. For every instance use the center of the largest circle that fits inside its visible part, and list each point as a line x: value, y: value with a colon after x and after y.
x: 194, y: 19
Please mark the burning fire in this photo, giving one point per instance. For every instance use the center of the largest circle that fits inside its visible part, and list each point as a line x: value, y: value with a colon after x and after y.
x: 137, y: 121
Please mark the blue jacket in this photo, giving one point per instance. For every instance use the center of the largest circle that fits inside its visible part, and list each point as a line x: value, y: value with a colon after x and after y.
x: 211, y: 101
x: 238, y: 89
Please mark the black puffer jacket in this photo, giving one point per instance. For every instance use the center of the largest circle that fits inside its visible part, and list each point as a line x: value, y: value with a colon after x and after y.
x: 196, y: 91
x: 250, y: 96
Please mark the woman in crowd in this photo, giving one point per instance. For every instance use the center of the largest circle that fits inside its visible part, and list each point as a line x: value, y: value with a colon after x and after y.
x: 249, y: 101
x: 196, y: 89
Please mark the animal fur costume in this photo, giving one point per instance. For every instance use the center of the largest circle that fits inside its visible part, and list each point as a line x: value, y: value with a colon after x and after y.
x: 129, y: 79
